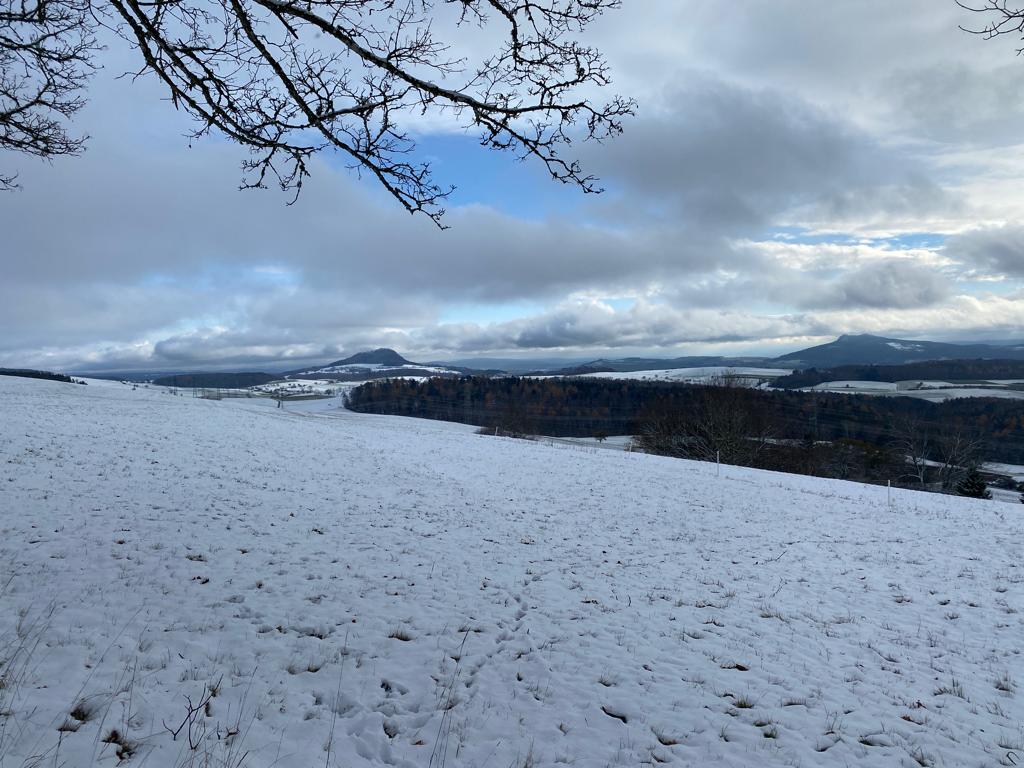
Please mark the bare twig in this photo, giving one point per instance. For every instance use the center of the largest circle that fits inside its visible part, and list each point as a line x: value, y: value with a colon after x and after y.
x: 290, y: 78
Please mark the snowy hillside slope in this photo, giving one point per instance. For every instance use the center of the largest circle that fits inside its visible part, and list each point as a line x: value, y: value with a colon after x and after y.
x: 335, y: 589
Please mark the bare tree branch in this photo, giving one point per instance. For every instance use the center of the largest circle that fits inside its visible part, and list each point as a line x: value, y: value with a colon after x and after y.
x: 1002, y: 18
x: 45, y: 60
x: 288, y: 79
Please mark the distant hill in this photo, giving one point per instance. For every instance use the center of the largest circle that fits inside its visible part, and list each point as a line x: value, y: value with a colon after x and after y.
x: 214, y: 380
x: 381, y: 356
x: 853, y: 349
x: 631, y: 364
x: 376, y: 364
x: 929, y: 370
x: 865, y: 349
x: 511, y: 364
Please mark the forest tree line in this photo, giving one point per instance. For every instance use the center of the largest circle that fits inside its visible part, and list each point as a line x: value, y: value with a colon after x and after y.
x: 28, y: 373
x: 215, y: 380
x: 875, y: 439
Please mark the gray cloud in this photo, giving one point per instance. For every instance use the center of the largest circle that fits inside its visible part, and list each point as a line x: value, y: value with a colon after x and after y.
x: 840, y: 53
x: 958, y: 103
x: 990, y: 250
x: 729, y: 159
x: 885, y: 285
x: 894, y: 283
x: 143, y: 252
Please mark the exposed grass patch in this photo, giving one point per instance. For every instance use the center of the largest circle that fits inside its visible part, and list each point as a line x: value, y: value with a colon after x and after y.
x: 953, y: 689
x: 744, y: 702
x: 83, y: 711
x: 123, y: 748
x: 1005, y: 683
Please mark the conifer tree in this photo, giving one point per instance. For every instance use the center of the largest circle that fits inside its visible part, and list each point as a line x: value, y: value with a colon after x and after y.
x: 973, y: 485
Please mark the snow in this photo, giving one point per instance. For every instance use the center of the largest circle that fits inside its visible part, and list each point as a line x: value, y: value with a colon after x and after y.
x: 859, y: 386
x: 394, y: 370
x: 924, y: 384
x: 612, y: 442
x: 373, y: 591
x: 1016, y: 471
x: 692, y: 374
x: 938, y: 395
x: 904, y: 347
x: 933, y: 391
x: 323, y: 387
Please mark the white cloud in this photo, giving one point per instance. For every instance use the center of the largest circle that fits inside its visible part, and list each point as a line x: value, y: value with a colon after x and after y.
x: 817, y: 116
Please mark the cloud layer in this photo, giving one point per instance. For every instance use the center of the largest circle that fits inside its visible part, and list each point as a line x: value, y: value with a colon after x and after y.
x: 830, y: 176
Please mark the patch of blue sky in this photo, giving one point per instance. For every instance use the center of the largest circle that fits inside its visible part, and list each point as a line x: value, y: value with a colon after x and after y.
x: 915, y: 240
x: 482, y: 176
x: 620, y: 304
x: 905, y: 241
x: 803, y: 236
x: 979, y: 288
x: 490, y: 313
x: 500, y: 180
x: 483, y: 313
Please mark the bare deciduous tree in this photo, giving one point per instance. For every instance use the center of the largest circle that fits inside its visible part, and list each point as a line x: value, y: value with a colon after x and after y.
x: 720, y: 422
x: 959, y: 451
x: 1001, y: 17
x: 290, y: 78
x: 912, y: 439
x: 45, y: 59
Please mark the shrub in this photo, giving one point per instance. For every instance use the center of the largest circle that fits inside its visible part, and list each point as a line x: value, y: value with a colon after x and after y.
x: 974, y: 486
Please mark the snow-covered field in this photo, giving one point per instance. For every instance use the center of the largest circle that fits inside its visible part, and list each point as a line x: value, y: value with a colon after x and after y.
x: 330, y: 589
x: 324, y: 387
x: 394, y: 370
x: 934, y: 391
x: 939, y: 395
x: 692, y: 375
x: 1016, y: 471
x: 870, y: 387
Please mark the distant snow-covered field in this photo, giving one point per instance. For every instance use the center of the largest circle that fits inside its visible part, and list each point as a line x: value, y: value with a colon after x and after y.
x: 934, y: 391
x: 197, y: 583
x: 396, y: 370
x: 939, y: 395
x: 692, y: 375
x: 870, y: 387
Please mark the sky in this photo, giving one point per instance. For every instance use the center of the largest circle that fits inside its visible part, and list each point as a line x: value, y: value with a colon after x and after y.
x: 796, y: 170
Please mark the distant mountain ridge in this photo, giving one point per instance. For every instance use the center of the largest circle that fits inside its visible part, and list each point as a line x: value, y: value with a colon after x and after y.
x: 630, y: 364
x: 846, y: 350
x: 379, y: 356
x: 866, y: 349
x: 849, y: 349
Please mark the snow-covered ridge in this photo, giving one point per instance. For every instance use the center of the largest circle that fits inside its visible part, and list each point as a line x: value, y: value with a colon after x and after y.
x: 345, y: 590
x: 695, y: 375
x: 904, y: 347
x: 356, y: 368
